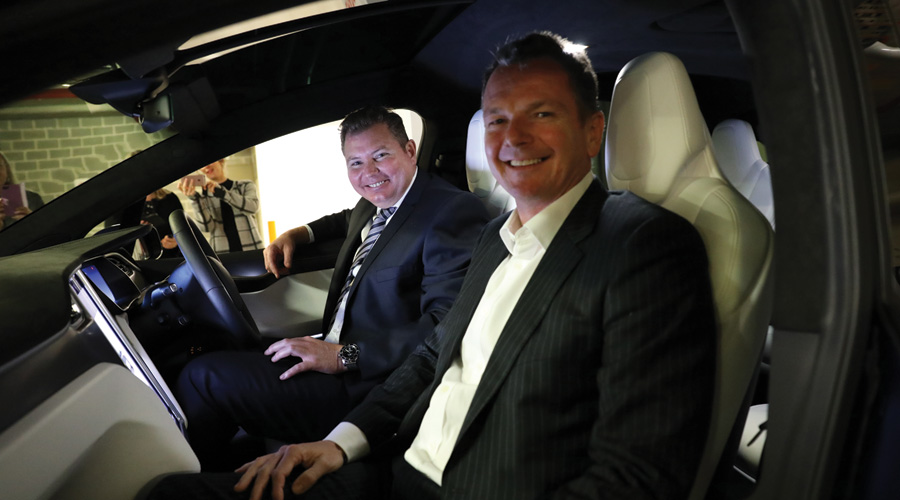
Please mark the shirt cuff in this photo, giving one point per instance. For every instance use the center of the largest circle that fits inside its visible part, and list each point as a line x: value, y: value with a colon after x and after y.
x: 312, y: 237
x: 351, y: 439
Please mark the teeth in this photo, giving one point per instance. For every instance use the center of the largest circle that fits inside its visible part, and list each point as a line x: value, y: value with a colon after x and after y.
x: 377, y: 184
x: 524, y: 163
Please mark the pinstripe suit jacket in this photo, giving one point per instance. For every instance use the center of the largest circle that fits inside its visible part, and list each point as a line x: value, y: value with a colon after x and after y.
x: 600, y: 385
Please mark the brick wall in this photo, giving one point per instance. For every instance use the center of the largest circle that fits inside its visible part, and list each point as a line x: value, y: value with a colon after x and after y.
x: 50, y: 154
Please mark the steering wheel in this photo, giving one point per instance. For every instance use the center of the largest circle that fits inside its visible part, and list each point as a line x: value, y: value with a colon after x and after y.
x: 232, y: 314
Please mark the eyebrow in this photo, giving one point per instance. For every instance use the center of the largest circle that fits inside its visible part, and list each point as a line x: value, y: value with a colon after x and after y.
x: 373, y: 151
x: 531, y: 107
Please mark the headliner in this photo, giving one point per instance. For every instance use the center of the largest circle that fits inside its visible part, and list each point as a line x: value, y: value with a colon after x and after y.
x: 46, y: 40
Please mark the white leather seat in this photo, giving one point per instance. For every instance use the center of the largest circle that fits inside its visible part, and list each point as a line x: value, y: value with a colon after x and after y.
x: 659, y: 147
x: 478, y: 171
x: 737, y: 154
x: 739, y: 158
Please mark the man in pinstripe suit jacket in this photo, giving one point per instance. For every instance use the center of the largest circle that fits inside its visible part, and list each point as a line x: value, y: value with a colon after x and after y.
x: 578, y: 359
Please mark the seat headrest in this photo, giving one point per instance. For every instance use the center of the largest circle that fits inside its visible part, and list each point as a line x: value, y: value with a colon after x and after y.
x: 478, y: 171
x: 656, y: 126
x: 659, y: 147
x: 739, y: 159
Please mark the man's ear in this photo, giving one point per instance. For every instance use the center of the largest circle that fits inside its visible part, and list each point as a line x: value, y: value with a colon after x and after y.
x: 410, y: 148
x: 594, y: 131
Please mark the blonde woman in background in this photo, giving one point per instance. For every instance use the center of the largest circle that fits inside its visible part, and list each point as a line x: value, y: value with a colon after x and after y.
x: 33, y: 200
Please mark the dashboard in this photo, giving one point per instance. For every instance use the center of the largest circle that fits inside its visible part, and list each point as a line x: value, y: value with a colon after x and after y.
x: 63, y: 313
x: 116, y: 277
x: 119, y: 281
x: 75, y: 378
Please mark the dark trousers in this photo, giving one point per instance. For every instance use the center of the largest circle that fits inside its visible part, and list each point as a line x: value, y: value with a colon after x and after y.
x: 365, y: 480
x: 221, y: 391
x: 410, y: 484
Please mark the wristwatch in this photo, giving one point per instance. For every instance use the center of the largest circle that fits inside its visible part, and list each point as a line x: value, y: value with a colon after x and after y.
x: 349, y: 355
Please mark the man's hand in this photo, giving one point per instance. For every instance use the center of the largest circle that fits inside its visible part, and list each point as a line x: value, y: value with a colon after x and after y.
x: 168, y: 242
x: 319, y: 458
x: 315, y: 355
x: 279, y: 253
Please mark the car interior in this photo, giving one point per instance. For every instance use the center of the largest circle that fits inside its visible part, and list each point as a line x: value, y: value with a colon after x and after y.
x: 718, y: 110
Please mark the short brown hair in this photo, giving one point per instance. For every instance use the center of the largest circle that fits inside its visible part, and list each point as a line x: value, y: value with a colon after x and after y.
x: 550, y: 46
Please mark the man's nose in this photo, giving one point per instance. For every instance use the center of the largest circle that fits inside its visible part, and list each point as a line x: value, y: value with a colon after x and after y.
x: 370, y: 167
x: 517, y: 133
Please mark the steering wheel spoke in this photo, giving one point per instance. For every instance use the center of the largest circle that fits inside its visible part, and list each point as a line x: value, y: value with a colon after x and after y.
x: 215, y: 281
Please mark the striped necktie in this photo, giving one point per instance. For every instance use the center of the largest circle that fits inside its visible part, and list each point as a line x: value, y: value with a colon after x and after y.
x: 378, y: 223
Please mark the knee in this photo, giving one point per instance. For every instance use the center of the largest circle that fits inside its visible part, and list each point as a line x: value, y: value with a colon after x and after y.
x: 169, y: 487
x: 202, y: 374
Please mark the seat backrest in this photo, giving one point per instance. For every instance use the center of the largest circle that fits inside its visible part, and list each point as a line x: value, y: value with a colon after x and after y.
x: 659, y: 147
x: 478, y: 171
x: 737, y: 154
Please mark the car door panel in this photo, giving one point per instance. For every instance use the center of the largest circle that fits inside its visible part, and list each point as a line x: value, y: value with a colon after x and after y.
x: 109, y: 436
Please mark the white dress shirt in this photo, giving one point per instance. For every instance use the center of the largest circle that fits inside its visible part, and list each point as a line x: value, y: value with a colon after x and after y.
x: 433, y: 445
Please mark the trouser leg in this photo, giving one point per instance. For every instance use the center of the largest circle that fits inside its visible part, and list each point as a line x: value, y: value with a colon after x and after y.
x: 366, y: 480
x: 410, y: 484
x: 224, y: 390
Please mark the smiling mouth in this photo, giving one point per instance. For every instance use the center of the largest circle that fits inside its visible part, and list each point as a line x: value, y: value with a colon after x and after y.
x: 525, y: 163
x: 376, y: 184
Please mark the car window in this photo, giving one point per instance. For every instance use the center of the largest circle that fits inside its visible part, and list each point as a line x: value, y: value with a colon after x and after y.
x: 302, y: 176
x: 54, y: 141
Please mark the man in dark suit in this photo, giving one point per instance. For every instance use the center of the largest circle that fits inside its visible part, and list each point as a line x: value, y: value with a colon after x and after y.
x: 578, y: 359
x: 406, y: 247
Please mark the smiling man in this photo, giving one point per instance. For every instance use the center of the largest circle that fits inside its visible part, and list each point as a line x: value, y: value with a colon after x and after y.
x: 406, y: 248
x: 578, y: 359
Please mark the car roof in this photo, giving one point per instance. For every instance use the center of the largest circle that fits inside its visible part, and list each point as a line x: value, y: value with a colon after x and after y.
x: 427, y: 56
x: 41, y: 45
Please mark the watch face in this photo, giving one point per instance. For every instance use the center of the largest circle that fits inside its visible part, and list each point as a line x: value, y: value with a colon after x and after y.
x: 350, y: 353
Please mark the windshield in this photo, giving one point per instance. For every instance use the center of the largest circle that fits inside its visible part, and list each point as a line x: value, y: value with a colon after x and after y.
x: 53, y: 140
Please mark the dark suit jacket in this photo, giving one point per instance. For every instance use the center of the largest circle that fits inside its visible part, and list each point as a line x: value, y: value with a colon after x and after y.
x: 410, y: 278
x: 600, y: 385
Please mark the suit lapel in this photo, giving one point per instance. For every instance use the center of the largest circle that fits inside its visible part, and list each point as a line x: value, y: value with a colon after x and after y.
x: 488, y: 254
x: 561, y: 258
x: 397, y: 220
x: 359, y: 216
x: 483, y: 265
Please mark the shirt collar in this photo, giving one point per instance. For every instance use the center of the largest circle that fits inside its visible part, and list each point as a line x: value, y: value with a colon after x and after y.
x: 400, y: 201
x: 546, y: 223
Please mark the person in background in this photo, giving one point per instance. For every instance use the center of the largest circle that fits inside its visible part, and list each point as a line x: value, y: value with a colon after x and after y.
x: 157, y: 207
x: 34, y: 200
x: 226, y: 208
